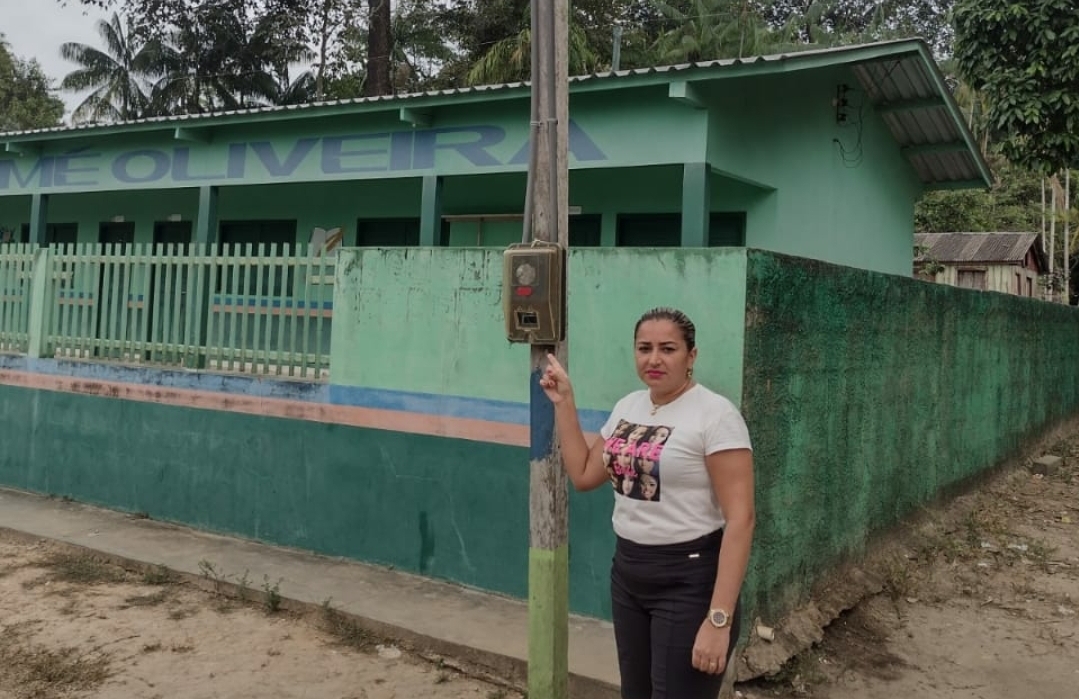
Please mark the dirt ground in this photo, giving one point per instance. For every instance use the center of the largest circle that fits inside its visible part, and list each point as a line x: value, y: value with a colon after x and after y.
x: 977, y: 599
x: 72, y: 626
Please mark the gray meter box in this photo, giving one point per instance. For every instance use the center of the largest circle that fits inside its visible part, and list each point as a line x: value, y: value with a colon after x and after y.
x: 534, y: 293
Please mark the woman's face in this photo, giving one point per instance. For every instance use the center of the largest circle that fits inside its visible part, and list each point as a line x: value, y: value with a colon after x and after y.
x: 648, y: 487
x: 637, y: 433
x: 660, y: 435
x: 627, y: 485
x: 663, y: 360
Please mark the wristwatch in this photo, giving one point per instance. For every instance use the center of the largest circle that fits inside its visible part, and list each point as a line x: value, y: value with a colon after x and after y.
x: 719, y: 618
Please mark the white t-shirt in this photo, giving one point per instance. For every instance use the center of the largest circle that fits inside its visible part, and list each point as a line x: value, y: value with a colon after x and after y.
x: 663, y: 494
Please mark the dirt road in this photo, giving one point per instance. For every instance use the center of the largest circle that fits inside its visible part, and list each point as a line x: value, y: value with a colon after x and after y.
x: 71, y: 626
x: 980, y: 600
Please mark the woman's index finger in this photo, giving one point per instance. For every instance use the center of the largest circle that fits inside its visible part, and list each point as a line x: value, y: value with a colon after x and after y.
x: 553, y: 361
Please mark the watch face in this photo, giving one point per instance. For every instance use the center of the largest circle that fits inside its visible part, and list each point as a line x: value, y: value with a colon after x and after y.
x: 719, y: 618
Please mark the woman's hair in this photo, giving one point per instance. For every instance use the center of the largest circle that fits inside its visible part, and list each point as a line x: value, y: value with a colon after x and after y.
x: 689, y: 331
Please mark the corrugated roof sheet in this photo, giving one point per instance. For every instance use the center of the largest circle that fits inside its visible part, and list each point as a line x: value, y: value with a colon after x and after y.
x: 902, y: 75
x: 977, y: 247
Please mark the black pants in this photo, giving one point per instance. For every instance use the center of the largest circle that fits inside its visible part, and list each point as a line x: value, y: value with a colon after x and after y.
x: 660, y: 596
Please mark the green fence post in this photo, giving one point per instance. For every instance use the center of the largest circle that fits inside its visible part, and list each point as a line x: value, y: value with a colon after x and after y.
x: 40, y: 303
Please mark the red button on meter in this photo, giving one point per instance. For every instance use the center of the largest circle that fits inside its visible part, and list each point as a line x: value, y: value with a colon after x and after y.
x: 523, y: 291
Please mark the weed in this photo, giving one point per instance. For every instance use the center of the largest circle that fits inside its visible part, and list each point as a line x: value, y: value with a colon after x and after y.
x: 158, y: 575
x: 243, y: 584
x: 211, y: 573
x: 442, y: 677
x: 799, y: 673
x: 182, y: 648
x: 43, y: 672
x: 140, y: 515
x: 898, y: 578
x: 346, y: 630
x: 151, y: 647
x: 81, y: 569
x: 273, y: 594
x: 1039, y: 553
x: 178, y: 614
x: 153, y: 600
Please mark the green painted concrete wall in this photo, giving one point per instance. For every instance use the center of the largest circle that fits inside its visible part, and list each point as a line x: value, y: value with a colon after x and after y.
x: 780, y: 131
x: 435, y: 319
x: 420, y: 503
x: 867, y: 394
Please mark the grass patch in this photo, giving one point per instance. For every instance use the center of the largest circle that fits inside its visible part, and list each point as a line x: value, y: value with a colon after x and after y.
x: 81, y: 569
x: 344, y: 629
x: 152, y: 600
x: 182, y: 613
x: 36, y: 672
x: 158, y: 575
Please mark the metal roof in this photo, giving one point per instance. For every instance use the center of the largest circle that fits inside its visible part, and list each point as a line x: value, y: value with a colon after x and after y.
x: 1011, y: 248
x: 901, y: 79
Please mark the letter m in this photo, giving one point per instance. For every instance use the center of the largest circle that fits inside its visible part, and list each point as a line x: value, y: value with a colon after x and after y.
x: 9, y: 169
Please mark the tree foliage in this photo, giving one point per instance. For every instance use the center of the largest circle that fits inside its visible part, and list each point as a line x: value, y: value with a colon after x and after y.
x: 1012, y: 204
x: 119, y: 75
x: 26, y: 101
x: 1025, y: 57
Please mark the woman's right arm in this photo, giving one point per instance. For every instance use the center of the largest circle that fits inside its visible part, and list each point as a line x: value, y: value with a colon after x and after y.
x: 583, y: 464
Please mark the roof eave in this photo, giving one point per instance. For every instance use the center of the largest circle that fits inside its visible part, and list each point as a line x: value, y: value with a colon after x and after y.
x: 953, y: 109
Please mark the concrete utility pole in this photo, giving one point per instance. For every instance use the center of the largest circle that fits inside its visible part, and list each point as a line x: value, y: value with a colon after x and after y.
x: 547, y: 218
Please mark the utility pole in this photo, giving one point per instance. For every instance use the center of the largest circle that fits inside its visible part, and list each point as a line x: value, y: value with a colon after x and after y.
x: 547, y: 219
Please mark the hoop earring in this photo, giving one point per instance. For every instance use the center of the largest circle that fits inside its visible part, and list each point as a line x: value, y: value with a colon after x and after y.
x: 689, y: 373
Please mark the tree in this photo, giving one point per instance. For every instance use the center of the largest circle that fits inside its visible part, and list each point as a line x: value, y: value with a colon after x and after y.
x: 26, y: 101
x: 120, y: 74
x: 1025, y: 57
x: 379, y: 49
x: 836, y: 22
x: 1013, y: 204
x: 711, y: 29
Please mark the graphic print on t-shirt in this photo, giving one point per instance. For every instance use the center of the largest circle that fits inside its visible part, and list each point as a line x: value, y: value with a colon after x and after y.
x: 632, y: 457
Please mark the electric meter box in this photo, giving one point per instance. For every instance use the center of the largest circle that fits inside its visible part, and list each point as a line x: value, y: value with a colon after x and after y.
x: 534, y: 293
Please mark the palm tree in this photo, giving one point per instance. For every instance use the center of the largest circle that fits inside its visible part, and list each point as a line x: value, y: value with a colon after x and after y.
x: 712, y: 29
x: 119, y: 75
x: 216, y: 64
x: 510, y: 60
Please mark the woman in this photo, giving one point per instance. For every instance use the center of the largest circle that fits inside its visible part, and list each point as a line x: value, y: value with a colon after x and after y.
x: 674, y: 587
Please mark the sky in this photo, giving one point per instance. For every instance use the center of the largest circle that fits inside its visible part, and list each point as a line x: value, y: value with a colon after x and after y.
x: 36, y: 28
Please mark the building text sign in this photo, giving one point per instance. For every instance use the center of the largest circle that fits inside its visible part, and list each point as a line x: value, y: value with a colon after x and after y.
x: 452, y: 150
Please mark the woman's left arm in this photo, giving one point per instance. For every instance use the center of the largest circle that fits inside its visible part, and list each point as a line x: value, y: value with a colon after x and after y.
x: 731, y: 474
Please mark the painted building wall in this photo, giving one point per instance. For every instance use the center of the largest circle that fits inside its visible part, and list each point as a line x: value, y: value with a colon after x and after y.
x: 868, y: 394
x: 851, y: 203
x: 768, y: 141
x: 415, y: 455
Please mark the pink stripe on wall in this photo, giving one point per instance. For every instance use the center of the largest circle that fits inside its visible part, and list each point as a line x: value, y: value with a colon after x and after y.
x: 372, y: 418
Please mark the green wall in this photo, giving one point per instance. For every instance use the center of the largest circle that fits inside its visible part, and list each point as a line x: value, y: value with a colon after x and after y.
x: 867, y: 394
x: 420, y: 503
x: 437, y: 317
x: 780, y: 131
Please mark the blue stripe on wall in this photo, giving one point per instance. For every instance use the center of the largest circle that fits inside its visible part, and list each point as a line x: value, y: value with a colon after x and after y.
x: 377, y: 398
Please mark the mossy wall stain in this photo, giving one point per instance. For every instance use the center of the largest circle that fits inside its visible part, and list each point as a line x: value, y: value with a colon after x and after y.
x: 867, y: 394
